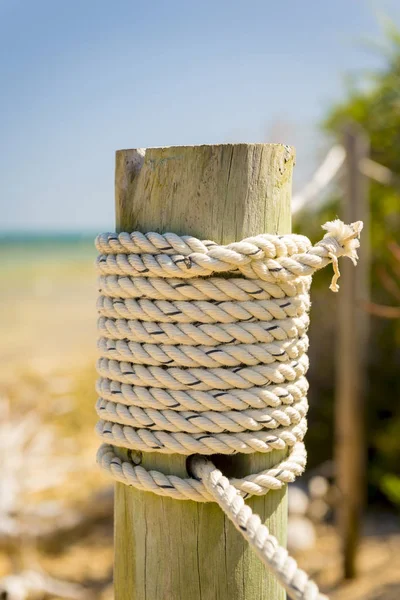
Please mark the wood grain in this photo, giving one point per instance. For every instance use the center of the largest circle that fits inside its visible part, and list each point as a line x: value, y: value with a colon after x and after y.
x: 181, y: 550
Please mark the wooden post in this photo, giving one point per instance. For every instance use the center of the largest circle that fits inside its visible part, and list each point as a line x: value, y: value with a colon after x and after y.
x: 351, y: 354
x: 182, y: 550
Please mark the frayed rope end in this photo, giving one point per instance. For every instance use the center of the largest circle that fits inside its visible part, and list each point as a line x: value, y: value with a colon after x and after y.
x: 341, y: 240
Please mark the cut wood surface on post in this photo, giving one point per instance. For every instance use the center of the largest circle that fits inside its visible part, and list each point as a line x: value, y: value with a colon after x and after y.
x: 353, y: 328
x: 169, y: 549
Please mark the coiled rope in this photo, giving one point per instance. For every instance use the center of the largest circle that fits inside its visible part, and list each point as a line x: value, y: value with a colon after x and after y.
x: 199, y: 364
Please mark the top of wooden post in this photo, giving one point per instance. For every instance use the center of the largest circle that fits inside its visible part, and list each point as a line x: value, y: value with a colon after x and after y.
x: 222, y: 192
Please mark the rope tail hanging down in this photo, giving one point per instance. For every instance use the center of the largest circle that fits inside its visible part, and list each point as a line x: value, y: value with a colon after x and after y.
x: 200, y: 364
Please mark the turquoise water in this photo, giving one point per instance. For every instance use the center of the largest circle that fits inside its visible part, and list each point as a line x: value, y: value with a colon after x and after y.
x: 32, y: 248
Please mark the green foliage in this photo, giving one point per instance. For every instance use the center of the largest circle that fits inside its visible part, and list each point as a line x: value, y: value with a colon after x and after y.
x: 374, y: 104
x: 390, y: 485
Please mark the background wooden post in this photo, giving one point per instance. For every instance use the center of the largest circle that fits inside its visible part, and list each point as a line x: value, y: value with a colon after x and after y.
x: 181, y: 550
x: 351, y: 354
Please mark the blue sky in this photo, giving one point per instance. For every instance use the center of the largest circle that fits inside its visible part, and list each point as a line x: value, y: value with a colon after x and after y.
x: 83, y: 78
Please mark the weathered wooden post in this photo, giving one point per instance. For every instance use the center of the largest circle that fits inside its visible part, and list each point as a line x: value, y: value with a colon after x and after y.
x: 168, y: 549
x: 351, y: 354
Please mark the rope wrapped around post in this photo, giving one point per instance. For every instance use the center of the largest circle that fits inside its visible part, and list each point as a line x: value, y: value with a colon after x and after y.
x: 199, y: 364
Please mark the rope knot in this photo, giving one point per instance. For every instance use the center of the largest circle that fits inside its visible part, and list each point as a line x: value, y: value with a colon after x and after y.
x: 341, y: 240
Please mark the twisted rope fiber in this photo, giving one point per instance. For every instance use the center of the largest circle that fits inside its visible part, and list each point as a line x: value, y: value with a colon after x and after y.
x: 199, y: 364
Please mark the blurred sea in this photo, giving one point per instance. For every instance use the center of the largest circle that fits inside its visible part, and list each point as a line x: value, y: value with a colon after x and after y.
x: 14, y: 246
x: 47, y: 304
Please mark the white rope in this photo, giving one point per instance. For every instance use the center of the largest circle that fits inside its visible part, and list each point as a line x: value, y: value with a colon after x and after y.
x: 197, y: 364
x: 328, y: 170
x: 321, y: 178
x: 370, y: 168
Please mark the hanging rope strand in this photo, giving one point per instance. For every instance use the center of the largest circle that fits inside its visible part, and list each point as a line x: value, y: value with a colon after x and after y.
x: 295, y: 581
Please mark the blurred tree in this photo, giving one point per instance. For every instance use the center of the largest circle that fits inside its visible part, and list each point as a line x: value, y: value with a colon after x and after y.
x: 375, y: 104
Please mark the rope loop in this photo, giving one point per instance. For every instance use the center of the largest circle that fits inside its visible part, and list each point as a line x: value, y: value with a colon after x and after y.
x: 203, y: 350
